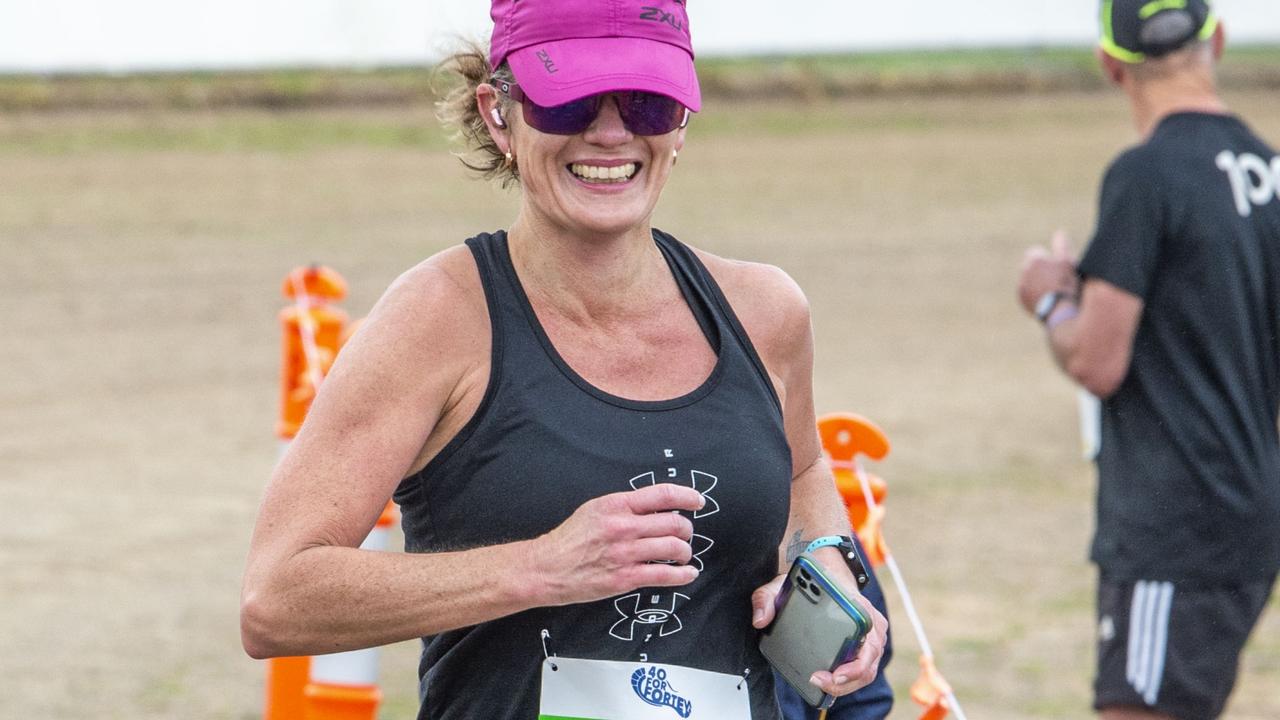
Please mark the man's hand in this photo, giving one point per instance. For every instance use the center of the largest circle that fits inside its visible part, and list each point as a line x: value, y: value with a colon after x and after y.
x: 1047, y: 270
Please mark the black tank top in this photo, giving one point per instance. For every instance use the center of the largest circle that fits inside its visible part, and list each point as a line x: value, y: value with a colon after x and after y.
x: 544, y: 441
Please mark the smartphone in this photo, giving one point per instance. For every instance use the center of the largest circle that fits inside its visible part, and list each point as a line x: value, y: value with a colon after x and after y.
x: 816, y: 627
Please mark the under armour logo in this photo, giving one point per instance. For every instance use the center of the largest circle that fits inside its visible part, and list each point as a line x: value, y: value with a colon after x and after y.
x: 698, y: 544
x: 704, y: 483
x: 654, y: 612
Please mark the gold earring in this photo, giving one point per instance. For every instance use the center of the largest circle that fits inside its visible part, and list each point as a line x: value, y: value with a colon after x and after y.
x: 510, y: 159
x: 675, y: 156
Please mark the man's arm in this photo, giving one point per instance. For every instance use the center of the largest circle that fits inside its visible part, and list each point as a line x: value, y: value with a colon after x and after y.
x: 1091, y: 337
x: 1094, y: 346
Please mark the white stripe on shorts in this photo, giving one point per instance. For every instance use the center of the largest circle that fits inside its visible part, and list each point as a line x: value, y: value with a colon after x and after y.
x: 1148, y: 637
x: 1137, y: 616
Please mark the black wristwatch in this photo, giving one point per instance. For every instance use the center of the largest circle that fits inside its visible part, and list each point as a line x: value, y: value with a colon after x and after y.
x: 849, y: 549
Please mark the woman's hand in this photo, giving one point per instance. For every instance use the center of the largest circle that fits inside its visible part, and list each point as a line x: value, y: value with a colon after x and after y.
x: 617, y: 543
x: 850, y: 676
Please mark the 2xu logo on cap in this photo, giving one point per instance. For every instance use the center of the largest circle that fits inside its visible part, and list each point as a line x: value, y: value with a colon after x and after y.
x: 547, y: 63
x: 657, y: 15
x: 1253, y: 181
x: 652, y: 687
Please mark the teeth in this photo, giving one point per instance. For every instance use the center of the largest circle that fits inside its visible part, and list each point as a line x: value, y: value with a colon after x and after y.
x: 596, y: 173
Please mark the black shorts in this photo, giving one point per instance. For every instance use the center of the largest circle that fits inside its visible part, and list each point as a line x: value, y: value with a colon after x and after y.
x: 1173, y: 648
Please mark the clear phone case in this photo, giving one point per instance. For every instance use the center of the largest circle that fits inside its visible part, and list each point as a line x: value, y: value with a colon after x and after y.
x: 816, y: 628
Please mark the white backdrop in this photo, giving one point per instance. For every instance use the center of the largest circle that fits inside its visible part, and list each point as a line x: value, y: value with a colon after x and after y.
x: 124, y: 35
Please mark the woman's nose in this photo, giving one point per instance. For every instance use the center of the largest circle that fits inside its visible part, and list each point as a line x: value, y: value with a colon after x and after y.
x: 608, y: 127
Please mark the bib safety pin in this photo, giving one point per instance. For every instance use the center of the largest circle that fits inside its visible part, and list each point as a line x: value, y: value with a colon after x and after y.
x: 745, y: 673
x: 546, y: 649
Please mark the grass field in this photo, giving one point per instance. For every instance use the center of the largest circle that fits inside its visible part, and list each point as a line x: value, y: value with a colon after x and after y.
x: 143, y: 253
x: 833, y: 75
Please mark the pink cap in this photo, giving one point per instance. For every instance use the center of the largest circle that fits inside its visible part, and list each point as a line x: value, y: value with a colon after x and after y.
x: 563, y: 50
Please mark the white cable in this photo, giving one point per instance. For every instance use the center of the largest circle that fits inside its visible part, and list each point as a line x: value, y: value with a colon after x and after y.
x: 907, y: 604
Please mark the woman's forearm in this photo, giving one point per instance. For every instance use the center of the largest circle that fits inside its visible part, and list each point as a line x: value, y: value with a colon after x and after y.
x: 326, y: 599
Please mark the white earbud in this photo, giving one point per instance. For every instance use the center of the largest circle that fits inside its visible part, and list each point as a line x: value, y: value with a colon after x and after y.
x: 497, y: 118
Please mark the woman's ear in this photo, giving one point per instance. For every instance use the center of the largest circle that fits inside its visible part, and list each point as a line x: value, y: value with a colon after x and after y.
x: 680, y: 132
x: 1219, y: 41
x: 490, y: 105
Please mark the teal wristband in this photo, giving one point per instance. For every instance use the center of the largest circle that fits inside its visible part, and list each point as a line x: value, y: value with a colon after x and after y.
x: 826, y: 541
x: 849, y: 550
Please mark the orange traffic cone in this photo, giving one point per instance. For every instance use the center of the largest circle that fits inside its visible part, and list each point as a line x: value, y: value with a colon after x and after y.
x: 311, y: 332
x: 931, y: 690
x: 339, y: 686
x: 286, y: 677
x: 845, y: 436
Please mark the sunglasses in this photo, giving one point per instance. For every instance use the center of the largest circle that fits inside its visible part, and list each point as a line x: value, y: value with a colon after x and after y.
x: 643, y: 113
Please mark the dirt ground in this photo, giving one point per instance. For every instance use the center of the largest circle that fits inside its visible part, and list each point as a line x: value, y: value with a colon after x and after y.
x: 142, y: 258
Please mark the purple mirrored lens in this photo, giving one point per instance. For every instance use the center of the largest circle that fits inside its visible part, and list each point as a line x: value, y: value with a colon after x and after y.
x: 643, y: 113
x: 646, y: 113
x: 570, y: 118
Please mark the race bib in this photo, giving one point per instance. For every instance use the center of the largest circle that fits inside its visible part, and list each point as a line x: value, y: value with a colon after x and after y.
x: 576, y: 689
x: 1090, y: 424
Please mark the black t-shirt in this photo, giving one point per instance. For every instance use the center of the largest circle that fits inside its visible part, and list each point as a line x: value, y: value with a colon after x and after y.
x: 544, y: 441
x: 1189, y: 468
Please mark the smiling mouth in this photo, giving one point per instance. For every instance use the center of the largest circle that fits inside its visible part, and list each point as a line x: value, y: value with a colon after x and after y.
x: 596, y: 174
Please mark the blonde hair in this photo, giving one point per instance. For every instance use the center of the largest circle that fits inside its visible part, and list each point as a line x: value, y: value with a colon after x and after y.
x: 459, y: 111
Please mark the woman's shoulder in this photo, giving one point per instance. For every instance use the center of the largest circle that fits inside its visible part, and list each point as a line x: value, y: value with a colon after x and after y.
x: 448, y: 280
x: 436, y: 310
x: 770, y: 304
x: 754, y: 287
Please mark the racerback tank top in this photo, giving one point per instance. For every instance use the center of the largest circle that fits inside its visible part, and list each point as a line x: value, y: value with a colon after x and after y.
x: 544, y: 441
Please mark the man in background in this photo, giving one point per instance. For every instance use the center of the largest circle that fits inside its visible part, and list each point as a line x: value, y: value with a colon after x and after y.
x: 1172, y: 318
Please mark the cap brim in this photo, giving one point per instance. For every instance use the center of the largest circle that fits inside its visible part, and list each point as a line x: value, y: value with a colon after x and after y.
x: 562, y: 71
